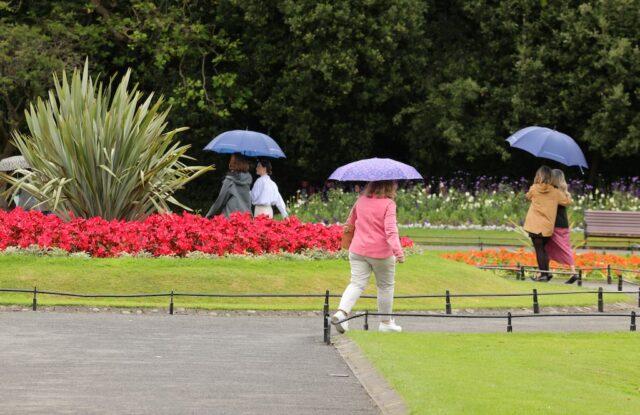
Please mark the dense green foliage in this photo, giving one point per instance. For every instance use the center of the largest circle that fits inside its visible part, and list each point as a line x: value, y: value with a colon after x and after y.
x: 98, y: 152
x: 437, y: 83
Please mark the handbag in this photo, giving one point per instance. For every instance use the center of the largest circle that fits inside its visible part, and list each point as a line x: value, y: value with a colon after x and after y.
x: 347, y: 233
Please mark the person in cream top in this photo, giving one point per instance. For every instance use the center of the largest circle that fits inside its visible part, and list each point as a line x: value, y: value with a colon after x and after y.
x: 265, y: 192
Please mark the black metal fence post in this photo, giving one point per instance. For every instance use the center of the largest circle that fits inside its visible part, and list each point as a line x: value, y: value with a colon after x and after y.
x: 580, y: 278
x: 633, y: 321
x: 366, y: 319
x: 509, y: 326
x: 447, y: 307
x: 638, y: 296
x: 536, y: 306
x: 522, y: 277
x: 609, y: 274
x: 619, y: 282
x: 325, y: 307
x: 325, y: 318
x: 171, y: 303
x: 34, y: 306
x: 600, y: 300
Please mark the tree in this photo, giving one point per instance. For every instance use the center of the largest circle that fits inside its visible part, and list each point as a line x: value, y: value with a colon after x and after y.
x: 332, y: 75
x: 28, y: 55
x: 437, y: 83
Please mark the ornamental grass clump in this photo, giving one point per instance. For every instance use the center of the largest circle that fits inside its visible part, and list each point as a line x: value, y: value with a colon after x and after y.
x: 98, y: 152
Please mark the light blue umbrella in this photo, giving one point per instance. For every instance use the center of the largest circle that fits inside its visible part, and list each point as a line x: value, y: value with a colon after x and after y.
x: 247, y: 143
x: 550, y: 144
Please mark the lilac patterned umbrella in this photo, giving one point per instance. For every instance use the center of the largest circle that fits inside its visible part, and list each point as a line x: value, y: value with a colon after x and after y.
x: 375, y: 169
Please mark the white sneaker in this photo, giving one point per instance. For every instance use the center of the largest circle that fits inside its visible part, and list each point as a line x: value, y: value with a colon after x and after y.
x: 390, y: 327
x: 339, y: 316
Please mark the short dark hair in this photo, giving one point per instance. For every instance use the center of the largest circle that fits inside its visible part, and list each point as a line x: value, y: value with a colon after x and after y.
x: 266, y: 164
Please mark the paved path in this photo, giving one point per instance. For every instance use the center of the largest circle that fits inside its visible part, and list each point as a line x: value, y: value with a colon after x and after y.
x: 429, y: 247
x: 594, y: 285
x: 109, y: 363
x: 154, y: 364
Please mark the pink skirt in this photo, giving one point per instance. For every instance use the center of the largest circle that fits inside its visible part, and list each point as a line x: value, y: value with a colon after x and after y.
x: 559, y: 246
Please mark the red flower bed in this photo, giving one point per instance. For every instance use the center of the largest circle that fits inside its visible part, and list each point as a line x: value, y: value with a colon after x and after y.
x: 169, y: 234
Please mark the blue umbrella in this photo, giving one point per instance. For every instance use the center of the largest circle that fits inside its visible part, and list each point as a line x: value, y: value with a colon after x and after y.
x: 375, y: 169
x: 549, y: 144
x: 247, y: 143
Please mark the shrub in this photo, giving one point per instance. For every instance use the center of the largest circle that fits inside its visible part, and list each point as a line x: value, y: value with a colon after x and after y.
x: 97, y: 153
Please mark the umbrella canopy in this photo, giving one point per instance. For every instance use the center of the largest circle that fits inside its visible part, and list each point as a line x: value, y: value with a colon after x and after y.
x: 13, y: 163
x: 375, y: 169
x: 550, y: 144
x: 247, y: 143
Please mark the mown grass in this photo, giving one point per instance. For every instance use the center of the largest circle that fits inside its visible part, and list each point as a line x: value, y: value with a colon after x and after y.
x: 496, y: 237
x: 421, y: 274
x: 516, y: 373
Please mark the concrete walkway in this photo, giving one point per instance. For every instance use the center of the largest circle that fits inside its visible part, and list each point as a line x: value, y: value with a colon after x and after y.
x: 594, y: 285
x: 511, y: 247
x: 158, y: 364
x: 95, y: 363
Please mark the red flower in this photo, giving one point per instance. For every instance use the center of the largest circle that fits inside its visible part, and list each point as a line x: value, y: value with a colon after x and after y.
x: 169, y: 234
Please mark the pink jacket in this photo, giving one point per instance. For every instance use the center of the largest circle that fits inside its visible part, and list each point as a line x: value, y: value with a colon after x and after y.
x: 376, y: 230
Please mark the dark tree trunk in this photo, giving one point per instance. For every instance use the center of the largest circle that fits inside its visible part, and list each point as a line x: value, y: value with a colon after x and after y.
x: 7, y: 149
x: 593, y: 169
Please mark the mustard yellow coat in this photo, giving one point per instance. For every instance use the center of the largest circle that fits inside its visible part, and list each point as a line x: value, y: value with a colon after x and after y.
x: 541, y: 216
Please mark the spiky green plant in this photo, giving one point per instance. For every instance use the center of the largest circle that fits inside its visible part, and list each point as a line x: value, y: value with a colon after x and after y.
x: 97, y: 153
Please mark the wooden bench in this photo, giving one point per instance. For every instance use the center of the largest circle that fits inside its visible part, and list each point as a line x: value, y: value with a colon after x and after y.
x: 611, y: 224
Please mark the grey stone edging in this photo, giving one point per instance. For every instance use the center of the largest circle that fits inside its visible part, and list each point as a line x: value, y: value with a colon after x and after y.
x: 387, y: 399
x: 133, y: 310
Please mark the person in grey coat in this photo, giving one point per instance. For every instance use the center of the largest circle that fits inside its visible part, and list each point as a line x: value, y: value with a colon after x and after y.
x: 235, y: 195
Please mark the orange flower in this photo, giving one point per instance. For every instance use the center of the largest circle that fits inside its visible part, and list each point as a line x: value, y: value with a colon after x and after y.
x: 504, y: 257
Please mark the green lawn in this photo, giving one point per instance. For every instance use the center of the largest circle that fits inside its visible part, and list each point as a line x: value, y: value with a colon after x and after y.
x: 421, y: 274
x: 495, y: 237
x: 455, y: 233
x: 515, y: 373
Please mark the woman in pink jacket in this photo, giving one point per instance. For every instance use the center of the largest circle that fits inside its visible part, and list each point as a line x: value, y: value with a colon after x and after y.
x: 375, y: 247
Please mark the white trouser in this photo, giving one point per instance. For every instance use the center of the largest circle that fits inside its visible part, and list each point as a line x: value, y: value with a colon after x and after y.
x: 361, y: 267
x: 263, y: 210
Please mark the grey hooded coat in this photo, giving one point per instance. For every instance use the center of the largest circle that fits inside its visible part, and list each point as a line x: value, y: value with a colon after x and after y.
x: 235, y: 195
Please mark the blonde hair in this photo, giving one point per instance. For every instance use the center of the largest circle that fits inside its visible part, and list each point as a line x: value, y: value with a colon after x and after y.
x: 544, y: 175
x: 385, y: 188
x: 558, y: 180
